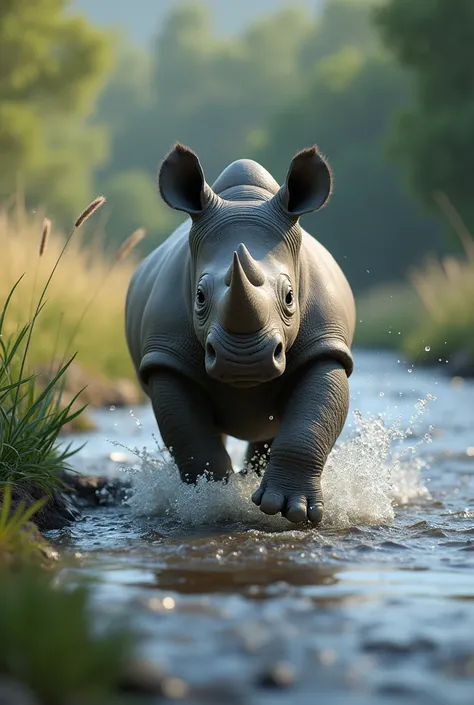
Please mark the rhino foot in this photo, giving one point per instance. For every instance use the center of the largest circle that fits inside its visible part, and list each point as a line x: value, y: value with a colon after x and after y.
x: 299, y: 499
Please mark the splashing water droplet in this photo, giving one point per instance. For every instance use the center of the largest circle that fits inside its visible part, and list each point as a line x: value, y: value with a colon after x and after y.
x: 382, y: 394
x: 427, y: 348
x: 112, y: 408
x: 271, y: 418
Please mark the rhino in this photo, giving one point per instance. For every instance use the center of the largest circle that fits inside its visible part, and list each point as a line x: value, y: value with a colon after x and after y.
x: 240, y: 324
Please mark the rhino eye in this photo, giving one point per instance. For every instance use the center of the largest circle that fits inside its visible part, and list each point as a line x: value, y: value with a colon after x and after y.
x: 200, y: 296
x: 289, y: 297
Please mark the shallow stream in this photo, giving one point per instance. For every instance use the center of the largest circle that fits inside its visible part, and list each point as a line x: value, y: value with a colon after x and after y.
x: 376, y: 606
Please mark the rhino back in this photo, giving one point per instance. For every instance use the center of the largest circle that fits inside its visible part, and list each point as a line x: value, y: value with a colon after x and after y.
x: 245, y: 172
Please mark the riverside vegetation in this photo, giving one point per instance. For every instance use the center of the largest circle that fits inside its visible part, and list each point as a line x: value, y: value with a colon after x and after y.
x: 88, y: 665
x: 430, y: 317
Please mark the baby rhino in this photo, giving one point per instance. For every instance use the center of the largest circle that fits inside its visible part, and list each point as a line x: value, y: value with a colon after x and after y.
x: 240, y: 324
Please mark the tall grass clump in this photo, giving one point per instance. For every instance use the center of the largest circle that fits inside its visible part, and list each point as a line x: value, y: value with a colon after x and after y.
x: 32, y: 412
x: 446, y: 289
x: 32, y: 418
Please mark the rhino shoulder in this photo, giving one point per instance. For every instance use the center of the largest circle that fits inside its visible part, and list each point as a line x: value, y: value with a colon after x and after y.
x: 159, y: 325
x: 327, y: 309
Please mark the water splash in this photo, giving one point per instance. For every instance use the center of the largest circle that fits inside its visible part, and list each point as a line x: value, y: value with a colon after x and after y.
x: 366, y: 477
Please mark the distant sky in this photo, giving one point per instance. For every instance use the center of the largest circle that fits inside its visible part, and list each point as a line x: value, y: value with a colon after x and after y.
x: 141, y: 19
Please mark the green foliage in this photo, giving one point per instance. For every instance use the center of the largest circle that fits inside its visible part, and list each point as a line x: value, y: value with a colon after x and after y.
x: 370, y: 225
x: 51, y: 645
x: 446, y: 289
x: 51, y: 65
x: 434, y: 136
x: 30, y: 420
x: 17, y: 538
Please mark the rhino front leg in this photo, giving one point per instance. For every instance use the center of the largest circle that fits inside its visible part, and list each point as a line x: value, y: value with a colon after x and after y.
x: 312, y: 418
x: 185, y: 419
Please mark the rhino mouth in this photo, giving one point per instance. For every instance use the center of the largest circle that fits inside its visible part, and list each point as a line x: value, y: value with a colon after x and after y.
x: 244, y: 383
x: 247, y: 366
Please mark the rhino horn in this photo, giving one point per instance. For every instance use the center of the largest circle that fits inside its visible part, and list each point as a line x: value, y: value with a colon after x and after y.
x: 251, y: 267
x: 244, y: 308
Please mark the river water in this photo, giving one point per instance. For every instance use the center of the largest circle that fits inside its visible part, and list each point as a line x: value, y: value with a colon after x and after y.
x: 375, y: 606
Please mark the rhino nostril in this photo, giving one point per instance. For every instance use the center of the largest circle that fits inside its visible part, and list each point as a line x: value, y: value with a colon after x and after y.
x: 278, y: 352
x: 210, y: 353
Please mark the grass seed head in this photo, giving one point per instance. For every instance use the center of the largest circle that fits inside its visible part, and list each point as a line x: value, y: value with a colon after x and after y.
x: 130, y: 243
x: 87, y: 212
x: 44, y: 236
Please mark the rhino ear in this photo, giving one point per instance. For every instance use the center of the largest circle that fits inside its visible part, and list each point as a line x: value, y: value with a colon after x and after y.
x: 182, y: 183
x: 308, y: 183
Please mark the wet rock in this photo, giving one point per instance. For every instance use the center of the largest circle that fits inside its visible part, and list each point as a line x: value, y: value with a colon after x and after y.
x: 59, y: 510
x: 174, y: 688
x: 147, y: 679
x: 399, y: 647
x: 281, y: 674
x: 142, y: 678
x: 395, y: 689
x: 94, y: 490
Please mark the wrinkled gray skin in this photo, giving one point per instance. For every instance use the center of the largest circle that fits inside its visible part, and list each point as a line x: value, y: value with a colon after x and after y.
x: 240, y: 324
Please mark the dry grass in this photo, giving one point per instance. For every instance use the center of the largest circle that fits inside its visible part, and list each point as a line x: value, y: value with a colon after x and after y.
x: 432, y: 315
x: 446, y: 289
x: 80, y: 276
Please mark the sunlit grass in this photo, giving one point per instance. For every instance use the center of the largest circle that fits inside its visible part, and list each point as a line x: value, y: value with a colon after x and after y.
x: 99, y: 339
x: 446, y: 288
x: 17, y: 534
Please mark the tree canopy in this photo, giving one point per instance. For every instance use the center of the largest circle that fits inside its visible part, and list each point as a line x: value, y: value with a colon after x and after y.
x: 50, y: 70
x: 434, y: 134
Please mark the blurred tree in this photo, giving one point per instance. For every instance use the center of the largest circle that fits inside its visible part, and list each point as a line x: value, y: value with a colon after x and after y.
x: 204, y: 91
x: 434, y: 137
x: 342, y: 24
x: 370, y: 225
x: 50, y: 70
x: 287, y: 81
x: 209, y: 93
x: 133, y: 202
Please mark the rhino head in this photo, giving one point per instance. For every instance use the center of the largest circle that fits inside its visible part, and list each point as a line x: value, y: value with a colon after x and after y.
x: 245, y: 250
